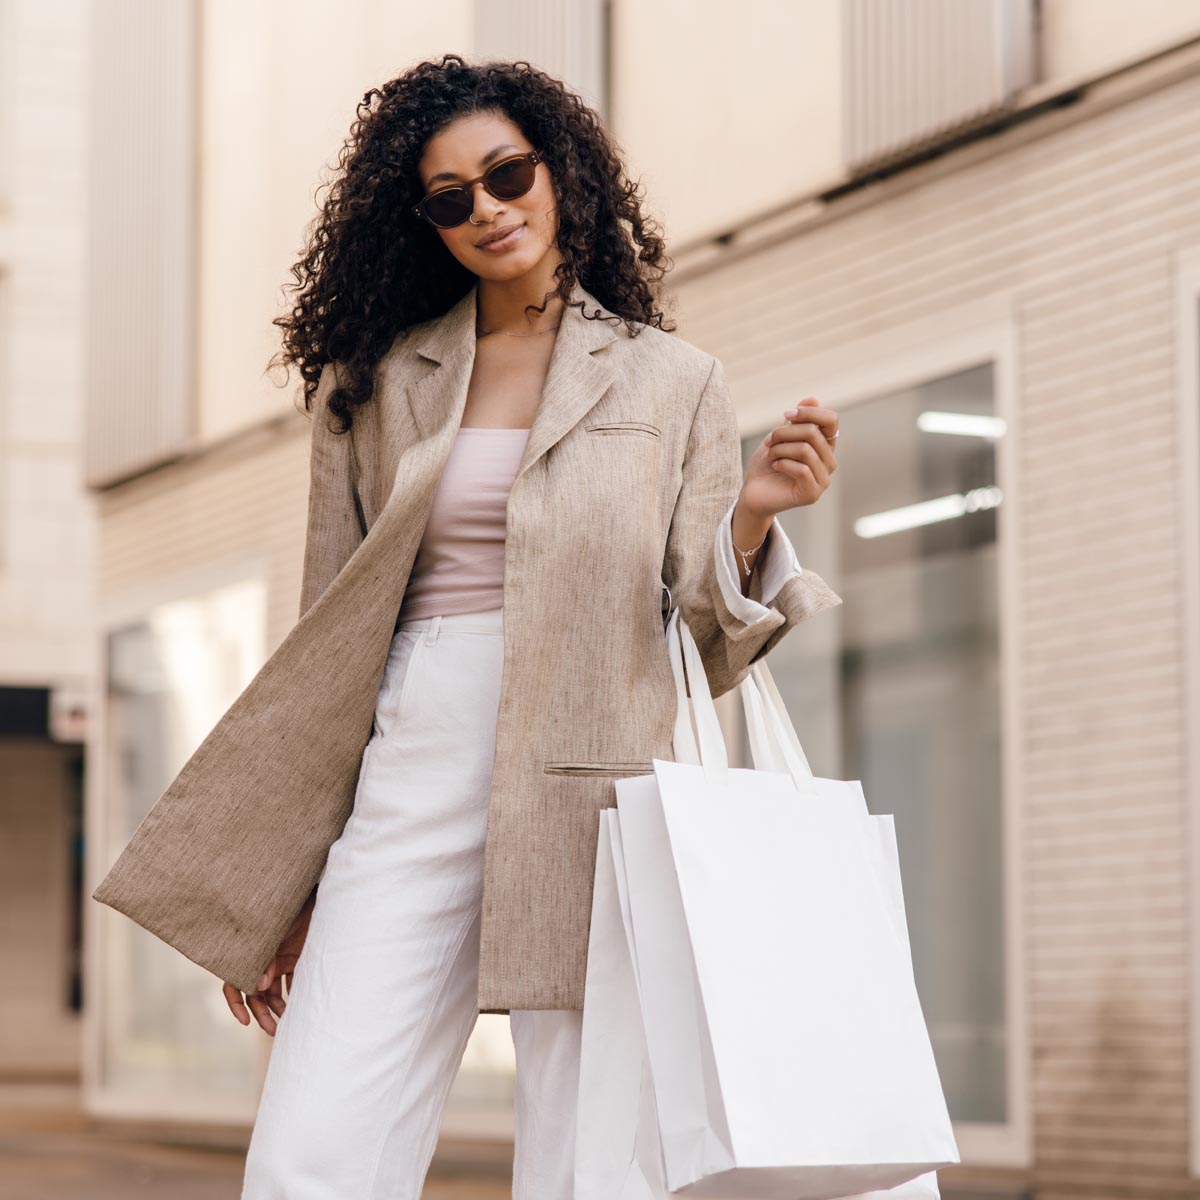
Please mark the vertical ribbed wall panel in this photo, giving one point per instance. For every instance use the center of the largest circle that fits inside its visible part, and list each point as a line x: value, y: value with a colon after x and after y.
x: 1079, y: 230
x: 915, y: 71
x: 567, y: 38
x: 140, y: 238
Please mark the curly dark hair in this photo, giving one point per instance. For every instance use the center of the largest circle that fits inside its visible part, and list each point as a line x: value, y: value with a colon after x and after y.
x: 372, y: 269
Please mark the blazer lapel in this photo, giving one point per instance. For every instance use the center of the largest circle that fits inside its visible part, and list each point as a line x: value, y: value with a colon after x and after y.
x: 440, y: 395
x: 576, y: 378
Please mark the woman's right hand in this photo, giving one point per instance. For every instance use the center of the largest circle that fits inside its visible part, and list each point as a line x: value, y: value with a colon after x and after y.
x: 268, y: 1003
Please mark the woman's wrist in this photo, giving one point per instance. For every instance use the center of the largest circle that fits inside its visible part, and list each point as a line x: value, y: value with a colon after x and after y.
x: 749, y: 532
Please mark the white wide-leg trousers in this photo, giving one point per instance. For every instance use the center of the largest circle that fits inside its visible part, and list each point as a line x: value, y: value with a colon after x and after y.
x: 384, y: 995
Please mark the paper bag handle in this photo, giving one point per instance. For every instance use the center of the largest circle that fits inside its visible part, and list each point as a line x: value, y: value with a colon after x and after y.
x: 710, y: 753
x: 774, y: 742
x: 765, y: 751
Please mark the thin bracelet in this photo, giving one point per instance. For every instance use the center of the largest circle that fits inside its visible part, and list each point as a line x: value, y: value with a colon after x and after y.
x: 743, y: 553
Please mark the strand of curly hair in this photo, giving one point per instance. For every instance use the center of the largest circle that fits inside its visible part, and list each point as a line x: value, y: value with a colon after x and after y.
x: 372, y: 269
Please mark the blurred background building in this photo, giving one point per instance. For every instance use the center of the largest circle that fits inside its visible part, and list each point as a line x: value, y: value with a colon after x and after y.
x: 972, y: 226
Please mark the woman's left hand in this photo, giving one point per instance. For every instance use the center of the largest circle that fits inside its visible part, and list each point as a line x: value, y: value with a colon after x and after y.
x: 793, y: 463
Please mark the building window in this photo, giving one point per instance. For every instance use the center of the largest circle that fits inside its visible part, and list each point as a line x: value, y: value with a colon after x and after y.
x: 902, y: 690
x: 166, y: 1032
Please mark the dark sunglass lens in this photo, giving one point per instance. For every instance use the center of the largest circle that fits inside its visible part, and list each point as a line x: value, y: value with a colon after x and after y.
x: 508, y: 180
x: 451, y: 207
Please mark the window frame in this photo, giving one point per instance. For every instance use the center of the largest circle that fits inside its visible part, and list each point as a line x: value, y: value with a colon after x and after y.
x: 902, y: 357
x: 1187, y: 393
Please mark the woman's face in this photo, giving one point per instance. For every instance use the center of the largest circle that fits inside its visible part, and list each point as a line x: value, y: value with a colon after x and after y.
x: 465, y: 149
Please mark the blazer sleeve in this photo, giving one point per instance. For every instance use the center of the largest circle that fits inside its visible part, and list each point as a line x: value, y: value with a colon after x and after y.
x: 732, y: 631
x: 334, y: 527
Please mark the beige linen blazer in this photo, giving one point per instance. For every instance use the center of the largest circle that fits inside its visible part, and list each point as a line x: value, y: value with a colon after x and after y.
x: 632, y: 461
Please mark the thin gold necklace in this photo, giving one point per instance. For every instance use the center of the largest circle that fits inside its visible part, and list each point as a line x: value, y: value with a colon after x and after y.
x: 479, y: 331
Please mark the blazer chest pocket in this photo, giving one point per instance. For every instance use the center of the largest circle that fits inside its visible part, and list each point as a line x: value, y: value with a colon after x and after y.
x: 634, y: 428
x: 598, y: 768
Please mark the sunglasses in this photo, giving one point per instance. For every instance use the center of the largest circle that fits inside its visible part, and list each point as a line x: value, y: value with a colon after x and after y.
x: 505, y: 180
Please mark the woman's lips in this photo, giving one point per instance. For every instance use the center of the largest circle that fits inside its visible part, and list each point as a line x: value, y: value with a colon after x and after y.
x: 507, y: 242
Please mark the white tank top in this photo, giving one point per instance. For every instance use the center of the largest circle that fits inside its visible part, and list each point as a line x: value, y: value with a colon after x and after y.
x: 459, y: 567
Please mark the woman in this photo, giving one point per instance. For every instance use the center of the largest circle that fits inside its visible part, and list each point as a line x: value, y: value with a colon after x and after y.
x: 555, y: 466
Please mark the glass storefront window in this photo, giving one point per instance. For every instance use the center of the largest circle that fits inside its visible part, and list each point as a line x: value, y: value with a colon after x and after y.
x: 900, y: 687
x: 169, y: 1044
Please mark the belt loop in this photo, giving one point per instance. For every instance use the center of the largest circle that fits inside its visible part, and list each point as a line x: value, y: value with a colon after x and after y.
x: 432, y: 635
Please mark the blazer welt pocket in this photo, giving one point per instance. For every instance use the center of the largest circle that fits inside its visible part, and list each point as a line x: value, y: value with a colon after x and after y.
x: 598, y: 768
x: 633, y: 427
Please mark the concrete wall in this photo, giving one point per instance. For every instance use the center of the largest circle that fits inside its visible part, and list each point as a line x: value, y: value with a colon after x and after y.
x: 46, y: 520
x: 279, y: 86
x: 1088, y: 37
x: 727, y: 118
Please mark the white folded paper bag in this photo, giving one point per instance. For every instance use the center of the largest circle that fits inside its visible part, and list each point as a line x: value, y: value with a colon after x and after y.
x: 768, y: 957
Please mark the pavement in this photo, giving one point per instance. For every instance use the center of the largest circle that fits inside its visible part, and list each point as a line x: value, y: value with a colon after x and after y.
x: 50, y: 1150
x: 41, y: 1165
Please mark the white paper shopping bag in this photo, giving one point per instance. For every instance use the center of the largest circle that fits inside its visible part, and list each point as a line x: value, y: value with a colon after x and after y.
x: 618, y: 1144
x: 615, y: 1097
x: 786, y: 1044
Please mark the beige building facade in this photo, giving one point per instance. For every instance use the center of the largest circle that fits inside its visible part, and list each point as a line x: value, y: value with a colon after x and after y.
x: 47, y: 546
x: 1021, y: 699
x: 986, y: 256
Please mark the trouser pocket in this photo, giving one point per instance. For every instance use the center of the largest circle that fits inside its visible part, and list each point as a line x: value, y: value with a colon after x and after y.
x: 399, y: 678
